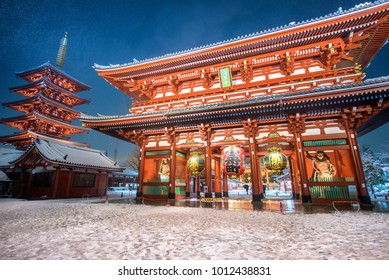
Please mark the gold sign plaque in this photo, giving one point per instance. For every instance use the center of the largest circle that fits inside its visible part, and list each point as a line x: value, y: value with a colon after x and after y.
x: 225, y: 77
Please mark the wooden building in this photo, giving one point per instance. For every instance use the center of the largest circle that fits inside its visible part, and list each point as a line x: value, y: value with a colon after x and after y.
x: 297, y: 91
x: 125, y: 178
x: 58, y: 170
x: 10, y: 185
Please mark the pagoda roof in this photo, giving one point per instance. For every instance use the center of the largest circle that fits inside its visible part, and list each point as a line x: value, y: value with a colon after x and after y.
x: 374, y: 122
x: 49, y: 68
x: 28, y: 90
x: 341, y: 23
x: 43, y: 118
x: 7, y: 156
x: 65, y: 155
x: 40, y: 98
x: 320, y: 101
x: 25, y: 138
x: 127, y: 172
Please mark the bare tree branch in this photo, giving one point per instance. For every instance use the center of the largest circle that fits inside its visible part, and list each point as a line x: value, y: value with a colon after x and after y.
x: 133, y: 160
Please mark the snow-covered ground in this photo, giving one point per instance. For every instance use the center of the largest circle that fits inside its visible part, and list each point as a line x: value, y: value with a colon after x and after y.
x: 75, y: 229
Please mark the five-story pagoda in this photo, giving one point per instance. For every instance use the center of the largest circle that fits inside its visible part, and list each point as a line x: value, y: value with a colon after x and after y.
x: 47, y: 108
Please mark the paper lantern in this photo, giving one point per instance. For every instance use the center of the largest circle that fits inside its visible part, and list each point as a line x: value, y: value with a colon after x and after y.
x: 196, y: 164
x: 275, y: 160
x: 233, y: 160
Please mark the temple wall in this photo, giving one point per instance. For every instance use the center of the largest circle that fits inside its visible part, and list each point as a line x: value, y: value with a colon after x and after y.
x: 65, y: 186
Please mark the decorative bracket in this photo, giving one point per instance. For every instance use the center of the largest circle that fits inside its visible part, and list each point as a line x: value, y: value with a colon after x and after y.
x: 250, y: 128
x: 296, y: 123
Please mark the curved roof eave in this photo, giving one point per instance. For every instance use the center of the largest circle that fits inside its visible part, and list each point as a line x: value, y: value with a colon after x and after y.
x: 238, y: 39
x: 51, y: 152
x: 47, y: 82
x: 237, y: 103
x: 61, y: 72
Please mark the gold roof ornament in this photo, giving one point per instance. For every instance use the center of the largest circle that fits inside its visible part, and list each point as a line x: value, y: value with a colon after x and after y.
x: 62, y: 51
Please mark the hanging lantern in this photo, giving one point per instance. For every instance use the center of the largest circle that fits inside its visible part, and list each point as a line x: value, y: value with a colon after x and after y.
x: 275, y: 160
x: 233, y: 160
x: 196, y: 164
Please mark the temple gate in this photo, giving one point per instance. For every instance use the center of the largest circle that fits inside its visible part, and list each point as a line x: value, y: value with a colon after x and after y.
x: 298, y: 89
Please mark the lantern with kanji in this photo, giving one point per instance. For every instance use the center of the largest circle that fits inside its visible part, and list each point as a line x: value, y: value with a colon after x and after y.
x: 196, y: 164
x: 275, y: 160
x: 233, y: 160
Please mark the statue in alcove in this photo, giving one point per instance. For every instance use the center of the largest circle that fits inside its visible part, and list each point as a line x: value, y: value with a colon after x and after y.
x: 324, y: 170
x: 164, y: 170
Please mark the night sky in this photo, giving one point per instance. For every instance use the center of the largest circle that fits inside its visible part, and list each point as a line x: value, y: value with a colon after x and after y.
x: 116, y: 32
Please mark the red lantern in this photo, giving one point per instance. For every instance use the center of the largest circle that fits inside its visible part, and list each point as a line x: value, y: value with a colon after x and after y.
x: 233, y: 160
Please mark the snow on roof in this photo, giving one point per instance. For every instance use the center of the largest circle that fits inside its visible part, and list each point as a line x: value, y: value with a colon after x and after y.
x: 7, y: 156
x: 61, y: 72
x: 69, y: 155
x: 44, y: 83
x: 127, y: 172
x: 339, y: 12
x: 130, y: 172
x: 3, y: 176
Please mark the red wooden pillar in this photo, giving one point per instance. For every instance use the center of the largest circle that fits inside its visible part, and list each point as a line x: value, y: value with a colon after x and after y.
x: 101, y: 183
x: 251, y: 131
x: 23, y: 178
x: 306, y: 196
x: 70, y: 182
x: 206, y: 133
x: 139, y: 192
x: 208, y: 169
x: 225, y: 185
x: 294, y: 177
x: 256, y: 182
x: 218, y: 190
x: 29, y: 184
x: 55, y: 183
x: 187, y: 176
x: 173, y: 158
x: 260, y: 178
x: 297, y: 128
x: 363, y: 194
x: 197, y: 186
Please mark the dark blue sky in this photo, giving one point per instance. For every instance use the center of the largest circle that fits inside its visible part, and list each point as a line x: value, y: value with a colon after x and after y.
x: 116, y: 32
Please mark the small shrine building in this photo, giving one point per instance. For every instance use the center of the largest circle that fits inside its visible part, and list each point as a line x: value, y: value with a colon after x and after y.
x: 293, y: 97
x: 59, y: 170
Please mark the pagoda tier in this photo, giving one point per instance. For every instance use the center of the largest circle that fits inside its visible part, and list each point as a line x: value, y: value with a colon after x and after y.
x: 329, y: 50
x: 54, y: 75
x: 50, y: 90
x: 38, y: 122
x: 46, y: 106
x: 24, y: 139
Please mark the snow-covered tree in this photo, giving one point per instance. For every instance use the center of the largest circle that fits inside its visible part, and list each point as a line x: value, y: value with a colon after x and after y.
x: 372, y: 167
